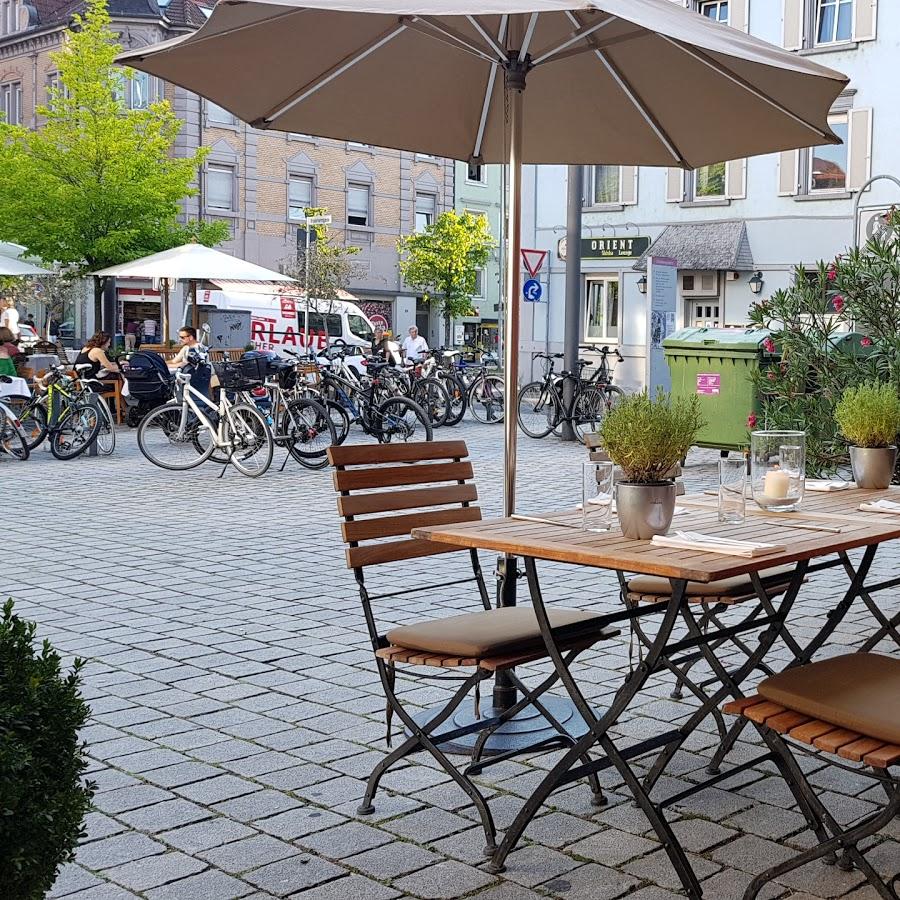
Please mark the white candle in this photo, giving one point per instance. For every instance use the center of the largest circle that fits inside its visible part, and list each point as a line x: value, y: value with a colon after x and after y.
x: 777, y: 484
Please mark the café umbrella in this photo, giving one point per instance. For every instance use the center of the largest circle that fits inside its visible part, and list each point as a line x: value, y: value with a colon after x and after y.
x: 191, y: 263
x: 630, y: 82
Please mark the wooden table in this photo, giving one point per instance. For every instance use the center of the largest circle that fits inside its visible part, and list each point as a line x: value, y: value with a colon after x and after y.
x: 537, y: 541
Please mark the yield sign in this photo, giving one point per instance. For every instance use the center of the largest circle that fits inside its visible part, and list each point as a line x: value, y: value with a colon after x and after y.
x: 533, y: 260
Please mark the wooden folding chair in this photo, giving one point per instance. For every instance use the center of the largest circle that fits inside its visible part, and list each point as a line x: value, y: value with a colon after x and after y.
x: 385, y: 491
x: 847, y: 707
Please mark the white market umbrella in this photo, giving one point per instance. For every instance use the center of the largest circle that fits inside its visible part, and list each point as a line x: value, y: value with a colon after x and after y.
x: 633, y: 82
x: 191, y: 263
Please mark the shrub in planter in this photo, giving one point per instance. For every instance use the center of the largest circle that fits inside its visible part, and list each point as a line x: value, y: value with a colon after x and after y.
x: 869, y: 417
x: 43, y: 800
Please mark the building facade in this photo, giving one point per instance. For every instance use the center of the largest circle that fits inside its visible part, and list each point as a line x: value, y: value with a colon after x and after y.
x: 738, y: 226
x: 258, y: 182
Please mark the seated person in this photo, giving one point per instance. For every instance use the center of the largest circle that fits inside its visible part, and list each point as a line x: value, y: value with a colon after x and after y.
x: 94, y: 353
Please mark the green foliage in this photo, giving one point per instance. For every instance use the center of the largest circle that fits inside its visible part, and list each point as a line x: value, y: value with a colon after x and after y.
x: 442, y: 261
x: 646, y: 438
x: 96, y: 185
x: 858, y: 292
x: 331, y: 265
x: 42, y: 798
x: 869, y: 415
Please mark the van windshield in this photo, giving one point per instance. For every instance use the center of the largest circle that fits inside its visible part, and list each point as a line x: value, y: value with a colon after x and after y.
x: 359, y: 327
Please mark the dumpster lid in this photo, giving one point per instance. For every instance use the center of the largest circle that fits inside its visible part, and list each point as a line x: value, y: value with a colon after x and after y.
x: 748, y: 340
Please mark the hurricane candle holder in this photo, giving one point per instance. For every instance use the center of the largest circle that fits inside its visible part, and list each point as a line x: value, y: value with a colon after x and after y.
x: 778, y: 469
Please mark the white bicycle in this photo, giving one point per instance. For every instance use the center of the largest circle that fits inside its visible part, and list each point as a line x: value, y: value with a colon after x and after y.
x: 186, y: 432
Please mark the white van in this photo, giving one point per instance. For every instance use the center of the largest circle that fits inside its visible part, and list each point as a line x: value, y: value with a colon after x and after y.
x: 275, y: 321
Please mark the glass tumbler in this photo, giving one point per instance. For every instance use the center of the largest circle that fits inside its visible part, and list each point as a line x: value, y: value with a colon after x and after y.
x: 597, y: 496
x: 732, y: 483
x: 778, y: 469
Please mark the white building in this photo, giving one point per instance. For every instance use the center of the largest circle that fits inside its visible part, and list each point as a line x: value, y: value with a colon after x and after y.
x: 725, y: 223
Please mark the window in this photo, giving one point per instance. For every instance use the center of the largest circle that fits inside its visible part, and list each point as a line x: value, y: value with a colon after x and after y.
x: 11, y: 102
x: 300, y: 196
x: 717, y: 10
x: 426, y: 205
x: 602, y: 315
x: 218, y: 114
x: 220, y: 187
x: 479, y: 284
x: 827, y: 166
x: 605, y: 185
x: 476, y: 173
x: 709, y: 182
x: 358, y: 204
x: 834, y: 21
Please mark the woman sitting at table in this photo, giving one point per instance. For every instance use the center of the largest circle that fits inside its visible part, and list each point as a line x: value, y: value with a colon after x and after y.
x: 94, y: 353
x: 8, y: 352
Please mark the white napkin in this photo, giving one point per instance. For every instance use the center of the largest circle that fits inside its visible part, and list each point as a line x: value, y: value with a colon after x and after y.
x: 693, y: 540
x: 880, y: 506
x: 825, y: 486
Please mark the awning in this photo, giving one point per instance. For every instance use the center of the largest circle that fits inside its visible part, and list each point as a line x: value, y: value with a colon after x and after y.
x: 709, y: 246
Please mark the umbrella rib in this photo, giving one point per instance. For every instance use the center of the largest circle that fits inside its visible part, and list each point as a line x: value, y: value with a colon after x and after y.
x: 581, y: 35
x: 496, y: 46
x: 488, y: 94
x: 706, y: 60
x: 440, y: 31
x: 329, y: 75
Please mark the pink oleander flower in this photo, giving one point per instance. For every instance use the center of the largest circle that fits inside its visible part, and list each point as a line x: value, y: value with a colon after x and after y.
x: 866, y: 342
x: 751, y: 420
x: 838, y: 302
x: 769, y: 345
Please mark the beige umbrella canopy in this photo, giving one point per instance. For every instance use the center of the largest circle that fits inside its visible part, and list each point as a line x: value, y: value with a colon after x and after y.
x: 638, y: 82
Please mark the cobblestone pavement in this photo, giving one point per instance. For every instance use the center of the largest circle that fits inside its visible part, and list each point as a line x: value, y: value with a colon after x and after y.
x: 236, y: 708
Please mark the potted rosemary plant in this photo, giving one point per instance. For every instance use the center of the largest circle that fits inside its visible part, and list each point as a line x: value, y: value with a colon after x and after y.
x: 869, y: 418
x: 647, y: 439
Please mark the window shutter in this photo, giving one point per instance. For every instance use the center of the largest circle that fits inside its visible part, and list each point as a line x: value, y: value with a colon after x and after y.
x: 739, y: 15
x: 628, y: 185
x: 859, y: 148
x: 865, y: 14
x: 736, y: 179
x: 792, y: 24
x: 674, y: 185
x: 788, y: 172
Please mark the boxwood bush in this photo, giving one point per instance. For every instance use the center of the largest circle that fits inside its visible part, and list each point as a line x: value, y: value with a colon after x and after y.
x: 43, y: 799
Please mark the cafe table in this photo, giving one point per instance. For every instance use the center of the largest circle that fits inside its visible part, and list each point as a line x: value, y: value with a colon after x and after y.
x: 555, y: 540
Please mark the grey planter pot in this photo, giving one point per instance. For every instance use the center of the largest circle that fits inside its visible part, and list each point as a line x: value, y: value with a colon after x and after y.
x: 873, y: 467
x: 645, y: 509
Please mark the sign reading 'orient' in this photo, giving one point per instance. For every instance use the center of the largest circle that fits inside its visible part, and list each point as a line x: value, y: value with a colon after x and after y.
x: 613, y: 247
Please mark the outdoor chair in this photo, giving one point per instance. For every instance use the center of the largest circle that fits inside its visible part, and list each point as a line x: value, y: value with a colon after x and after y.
x: 429, y: 483
x: 847, y: 708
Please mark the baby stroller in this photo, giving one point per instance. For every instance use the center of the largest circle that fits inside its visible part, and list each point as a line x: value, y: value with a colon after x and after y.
x: 150, y: 384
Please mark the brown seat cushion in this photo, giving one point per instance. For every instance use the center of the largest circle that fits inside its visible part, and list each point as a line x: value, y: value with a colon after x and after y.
x: 488, y: 633
x: 726, y: 587
x: 857, y: 691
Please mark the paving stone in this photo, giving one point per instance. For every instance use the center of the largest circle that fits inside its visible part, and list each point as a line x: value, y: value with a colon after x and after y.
x: 444, y: 881
x: 153, y: 871
x: 292, y: 875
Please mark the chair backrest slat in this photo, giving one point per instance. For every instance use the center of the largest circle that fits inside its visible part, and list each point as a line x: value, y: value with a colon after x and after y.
x: 391, y: 526
x: 368, y: 454
x: 389, y: 501
x: 394, y: 476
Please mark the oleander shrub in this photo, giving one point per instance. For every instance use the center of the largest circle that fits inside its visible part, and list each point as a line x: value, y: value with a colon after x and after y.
x: 43, y: 799
x: 869, y: 415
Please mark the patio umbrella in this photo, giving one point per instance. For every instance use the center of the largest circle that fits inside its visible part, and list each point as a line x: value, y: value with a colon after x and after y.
x: 636, y: 82
x: 191, y: 263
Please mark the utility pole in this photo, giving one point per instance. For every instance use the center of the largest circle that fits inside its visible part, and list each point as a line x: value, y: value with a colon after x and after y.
x: 574, y: 202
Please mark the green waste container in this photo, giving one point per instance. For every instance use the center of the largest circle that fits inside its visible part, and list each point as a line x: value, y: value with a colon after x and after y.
x: 715, y: 365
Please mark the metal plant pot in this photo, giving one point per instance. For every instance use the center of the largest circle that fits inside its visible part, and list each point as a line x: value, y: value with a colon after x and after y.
x: 873, y: 467
x: 645, y: 509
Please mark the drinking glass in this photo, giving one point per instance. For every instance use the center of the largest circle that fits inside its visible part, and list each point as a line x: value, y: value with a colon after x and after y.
x: 732, y: 482
x: 597, y: 496
x: 778, y: 469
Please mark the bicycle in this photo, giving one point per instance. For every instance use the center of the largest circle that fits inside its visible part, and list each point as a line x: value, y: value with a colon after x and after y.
x: 182, y: 434
x: 541, y: 406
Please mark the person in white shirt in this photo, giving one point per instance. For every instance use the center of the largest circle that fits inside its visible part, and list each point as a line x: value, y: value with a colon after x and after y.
x: 9, y: 318
x: 414, y: 347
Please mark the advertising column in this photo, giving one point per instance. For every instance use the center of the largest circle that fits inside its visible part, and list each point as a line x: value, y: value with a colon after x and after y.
x: 662, y: 289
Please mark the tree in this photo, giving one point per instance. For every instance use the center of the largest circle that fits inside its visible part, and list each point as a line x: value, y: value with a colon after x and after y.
x: 442, y: 261
x: 96, y: 184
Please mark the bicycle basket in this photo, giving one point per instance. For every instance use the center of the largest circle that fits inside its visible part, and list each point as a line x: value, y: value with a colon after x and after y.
x: 232, y: 376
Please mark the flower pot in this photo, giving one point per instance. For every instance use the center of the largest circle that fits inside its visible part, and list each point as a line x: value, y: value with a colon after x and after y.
x: 873, y: 467
x: 645, y: 509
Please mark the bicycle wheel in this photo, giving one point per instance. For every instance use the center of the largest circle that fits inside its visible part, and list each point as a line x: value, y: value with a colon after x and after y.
x: 11, y: 439
x: 538, y: 409
x: 459, y: 401
x: 32, y: 417
x: 76, y: 430
x: 399, y: 419
x: 310, y: 432
x: 486, y: 399
x: 167, y: 444
x: 590, y: 407
x: 251, y: 440
x: 432, y: 396
x: 106, y: 437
